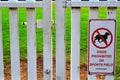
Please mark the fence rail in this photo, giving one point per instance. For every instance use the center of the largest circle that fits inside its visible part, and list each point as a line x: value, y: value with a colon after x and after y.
x: 23, y: 4
x: 93, y: 4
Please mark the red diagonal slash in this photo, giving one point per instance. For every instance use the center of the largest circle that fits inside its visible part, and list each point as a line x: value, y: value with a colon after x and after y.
x: 101, y: 37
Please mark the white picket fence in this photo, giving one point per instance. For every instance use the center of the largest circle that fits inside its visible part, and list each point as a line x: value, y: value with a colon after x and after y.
x: 30, y: 5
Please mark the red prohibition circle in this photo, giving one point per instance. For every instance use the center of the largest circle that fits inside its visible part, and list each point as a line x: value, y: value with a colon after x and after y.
x: 106, y: 45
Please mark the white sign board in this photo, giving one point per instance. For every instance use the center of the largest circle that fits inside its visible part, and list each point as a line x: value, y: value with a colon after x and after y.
x: 101, y: 46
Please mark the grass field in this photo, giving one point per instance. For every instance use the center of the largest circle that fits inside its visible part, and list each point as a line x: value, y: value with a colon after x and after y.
x: 39, y: 34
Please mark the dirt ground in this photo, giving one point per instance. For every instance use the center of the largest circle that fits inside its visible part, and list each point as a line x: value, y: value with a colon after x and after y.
x: 23, y: 70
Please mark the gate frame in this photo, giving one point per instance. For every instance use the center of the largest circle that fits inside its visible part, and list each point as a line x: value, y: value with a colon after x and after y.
x: 30, y: 5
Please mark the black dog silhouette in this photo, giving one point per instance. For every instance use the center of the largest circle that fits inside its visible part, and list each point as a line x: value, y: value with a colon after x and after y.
x: 105, y: 36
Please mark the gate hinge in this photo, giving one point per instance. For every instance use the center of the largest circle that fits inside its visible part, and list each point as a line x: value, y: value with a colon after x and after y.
x: 64, y: 4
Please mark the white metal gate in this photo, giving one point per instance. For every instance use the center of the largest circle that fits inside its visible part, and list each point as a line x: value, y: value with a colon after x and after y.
x: 30, y: 5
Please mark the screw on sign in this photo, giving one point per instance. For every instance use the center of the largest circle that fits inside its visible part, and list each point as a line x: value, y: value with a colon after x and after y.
x: 102, y: 38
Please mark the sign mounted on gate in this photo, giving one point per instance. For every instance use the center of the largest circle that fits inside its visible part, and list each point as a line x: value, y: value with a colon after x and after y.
x: 101, y: 46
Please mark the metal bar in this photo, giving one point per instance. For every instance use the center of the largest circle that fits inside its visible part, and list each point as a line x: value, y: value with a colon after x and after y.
x: 75, y: 43
x: 111, y: 15
x: 1, y: 49
x: 93, y: 15
x: 21, y: 4
x: 93, y: 4
x: 60, y: 41
x: 14, y: 43
x: 31, y: 44
x: 47, y: 40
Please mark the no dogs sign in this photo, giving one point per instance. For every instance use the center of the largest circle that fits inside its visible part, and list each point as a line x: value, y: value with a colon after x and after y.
x: 101, y: 46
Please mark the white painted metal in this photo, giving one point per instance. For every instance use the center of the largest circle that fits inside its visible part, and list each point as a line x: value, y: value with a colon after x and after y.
x: 21, y: 4
x: 92, y: 77
x: 31, y: 43
x: 60, y: 41
x: 109, y: 77
x: 75, y: 44
x: 1, y: 50
x: 112, y: 11
x: 39, y: 24
x: 14, y: 43
x: 93, y: 15
x: 47, y: 40
x: 93, y: 4
x: 111, y: 15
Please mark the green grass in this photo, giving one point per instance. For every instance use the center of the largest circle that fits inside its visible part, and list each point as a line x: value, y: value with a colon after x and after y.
x: 39, y: 34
